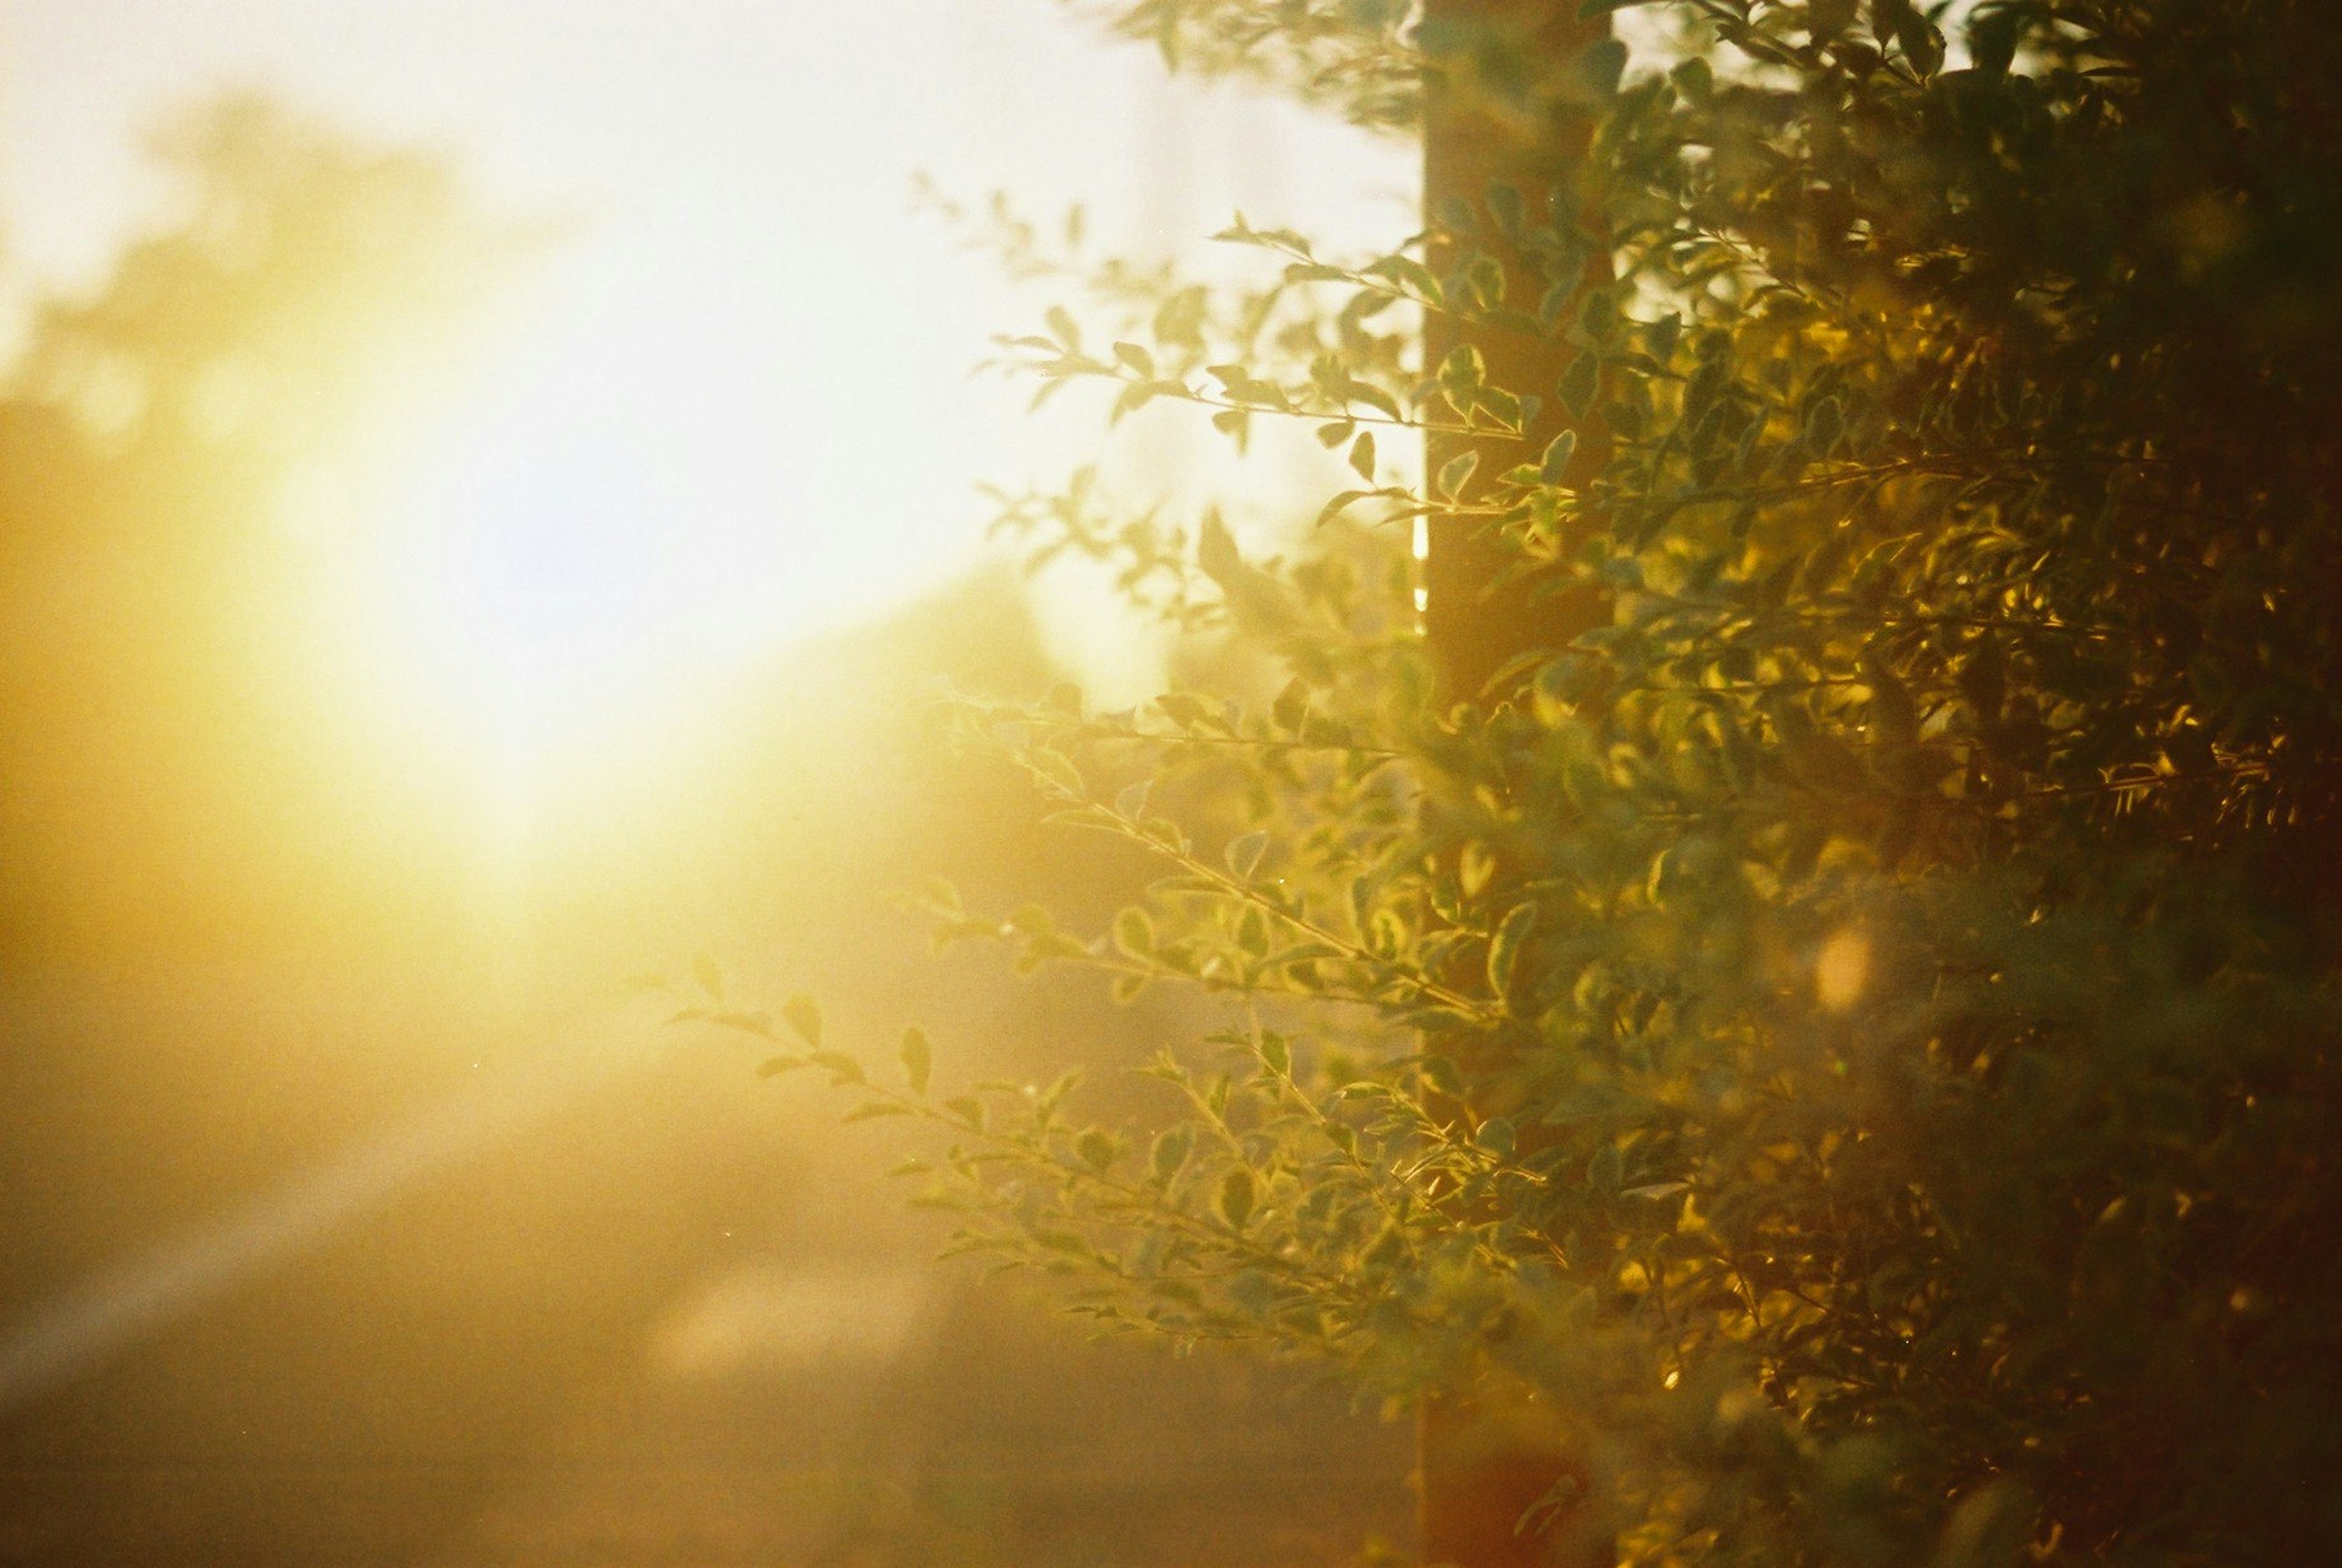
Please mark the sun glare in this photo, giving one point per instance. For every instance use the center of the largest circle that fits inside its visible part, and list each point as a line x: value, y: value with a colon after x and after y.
x: 565, y: 515
x: 628, y: 503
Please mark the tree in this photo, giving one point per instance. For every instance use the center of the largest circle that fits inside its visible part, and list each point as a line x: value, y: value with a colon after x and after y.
x: 1839, y: 1023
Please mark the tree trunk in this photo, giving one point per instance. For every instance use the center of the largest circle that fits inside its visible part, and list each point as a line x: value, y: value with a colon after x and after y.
x: 1483, y: 127
x: 1505, y: 1484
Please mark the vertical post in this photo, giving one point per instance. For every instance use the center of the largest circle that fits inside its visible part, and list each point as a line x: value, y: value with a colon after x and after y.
x: 1496, y: 112
x: 1502, y: 109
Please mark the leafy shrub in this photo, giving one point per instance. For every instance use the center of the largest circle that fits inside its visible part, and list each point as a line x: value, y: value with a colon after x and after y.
x: 1841, y: 1023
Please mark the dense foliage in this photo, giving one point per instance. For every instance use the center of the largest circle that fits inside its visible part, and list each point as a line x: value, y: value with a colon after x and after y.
x: 1851, y: 1034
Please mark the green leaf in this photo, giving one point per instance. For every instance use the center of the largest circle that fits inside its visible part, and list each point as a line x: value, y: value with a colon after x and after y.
x: 1461, y: 375
x: 1243, y: 853
x: 1476, y: 865
x: 1134, y: 933
x: 1292, y: 706
x: 1276, y: 1054
x: 1484, y: 275
x: 1132, y: 397
x: 803, y: 1014
x: 1236, y: 1195
x: 1557, y: 454
x: 1338, y: 503
x: 1185, y: 709
x: 1169, y: 1155
x: 1215, y: 550
x: 1984, y: 678
x: 1921, y: 42
x: 1375, y: 398
x: 1823, y: 426
x: 1505, y: 948
x: 919, y: 1059
x: 1603, y: 1171
x: 1362, y: 456
x: 1602, y: 65
x: 1499, y: 405
x: 1179, y: 319
x: 1992, y: 40
x: 1597, y: 315
x: 845, y: 1068
x: 1893, y: 716
x: 1410, y: 273
x: 1580, y: 384
x: 1454, y: 473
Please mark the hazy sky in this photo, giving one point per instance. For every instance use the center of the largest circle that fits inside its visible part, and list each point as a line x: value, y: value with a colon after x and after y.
x: 739, y: 409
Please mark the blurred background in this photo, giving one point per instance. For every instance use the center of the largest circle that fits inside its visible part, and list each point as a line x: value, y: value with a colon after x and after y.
x: 486, y: 492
